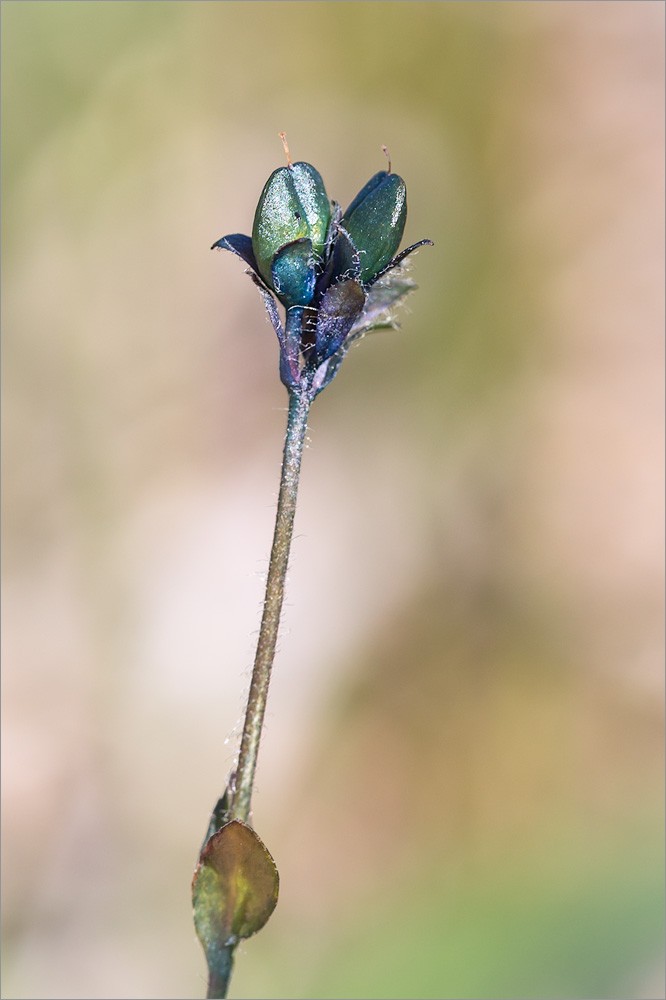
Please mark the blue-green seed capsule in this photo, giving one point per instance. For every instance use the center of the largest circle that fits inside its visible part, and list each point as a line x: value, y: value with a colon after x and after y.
x: 324, y: 267
x: 293, y: 206
x: 375, y: 221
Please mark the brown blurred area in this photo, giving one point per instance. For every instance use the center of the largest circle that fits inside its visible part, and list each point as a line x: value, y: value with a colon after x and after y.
x: 461, y: 778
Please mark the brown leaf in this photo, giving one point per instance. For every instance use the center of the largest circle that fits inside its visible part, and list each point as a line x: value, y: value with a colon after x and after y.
x: 235, y: 887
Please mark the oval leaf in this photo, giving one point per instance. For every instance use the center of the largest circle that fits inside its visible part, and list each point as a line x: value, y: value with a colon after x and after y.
x: 235, y: 887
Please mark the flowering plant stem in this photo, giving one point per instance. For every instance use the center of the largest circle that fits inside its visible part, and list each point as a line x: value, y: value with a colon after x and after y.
x: 299, y: 407
x: 338, y: 276
x: 219, y: 974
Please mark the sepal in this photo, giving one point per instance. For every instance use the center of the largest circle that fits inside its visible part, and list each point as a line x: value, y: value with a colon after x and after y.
x: 398, y: 259
x: 346, y: 257
x: 339, y: 309
x: 241, y: 245
x: 293, y: 273
x: 288, y: 340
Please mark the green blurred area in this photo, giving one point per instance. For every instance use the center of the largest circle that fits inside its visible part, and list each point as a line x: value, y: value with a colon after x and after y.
x: 462, y: 774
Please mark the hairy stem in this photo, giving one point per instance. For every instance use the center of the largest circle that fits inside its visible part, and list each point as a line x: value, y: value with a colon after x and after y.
x: 297, y: 421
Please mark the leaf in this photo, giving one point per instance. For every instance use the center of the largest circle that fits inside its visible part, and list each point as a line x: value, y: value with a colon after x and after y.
x: 234, y: 890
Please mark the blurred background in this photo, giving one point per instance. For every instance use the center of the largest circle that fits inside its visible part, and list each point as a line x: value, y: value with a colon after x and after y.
x: 461, y: 778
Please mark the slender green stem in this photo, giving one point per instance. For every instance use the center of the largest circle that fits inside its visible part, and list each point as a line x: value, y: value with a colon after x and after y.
x: 220, y: 967
x: 297, y: 421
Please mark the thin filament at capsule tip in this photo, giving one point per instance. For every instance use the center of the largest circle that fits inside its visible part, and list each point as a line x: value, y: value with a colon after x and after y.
x: 283, y: 136
x: 388, y: 157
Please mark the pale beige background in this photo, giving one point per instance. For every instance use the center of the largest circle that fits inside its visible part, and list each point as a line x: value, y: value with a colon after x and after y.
x: 461, y: 777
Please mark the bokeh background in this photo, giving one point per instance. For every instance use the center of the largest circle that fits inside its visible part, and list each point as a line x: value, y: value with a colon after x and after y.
x: 461, y: 778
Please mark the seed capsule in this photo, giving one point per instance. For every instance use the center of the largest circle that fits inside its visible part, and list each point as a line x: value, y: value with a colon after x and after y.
x: 293, y: 206
x: 375, y: 221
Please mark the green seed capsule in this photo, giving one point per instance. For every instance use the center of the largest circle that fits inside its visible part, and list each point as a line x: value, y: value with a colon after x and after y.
x: 375, y: 221
x: 293, y: 206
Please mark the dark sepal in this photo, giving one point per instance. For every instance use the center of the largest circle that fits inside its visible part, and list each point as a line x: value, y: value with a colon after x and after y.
x: 346, y: 258
x: 339, y: 309
x: 218, y: 817
x: 289, y: 357
x: 336, y: 215
x: 238, y: 244
x: 293, y: 273
x: 289, y: 369
x: 398, y: 259
x: 329, y: 369
x: 326, y: 273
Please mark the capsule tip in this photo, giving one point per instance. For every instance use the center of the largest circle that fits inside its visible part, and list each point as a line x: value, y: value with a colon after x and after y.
x: 388, y: 157
x: 283, y: 136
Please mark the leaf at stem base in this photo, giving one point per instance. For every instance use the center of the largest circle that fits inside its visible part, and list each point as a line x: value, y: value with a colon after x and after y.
x: 234, y: 890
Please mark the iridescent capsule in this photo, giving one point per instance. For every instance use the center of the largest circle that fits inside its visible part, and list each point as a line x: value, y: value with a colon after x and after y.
x: 289, y: 232
x: 375, y: 222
